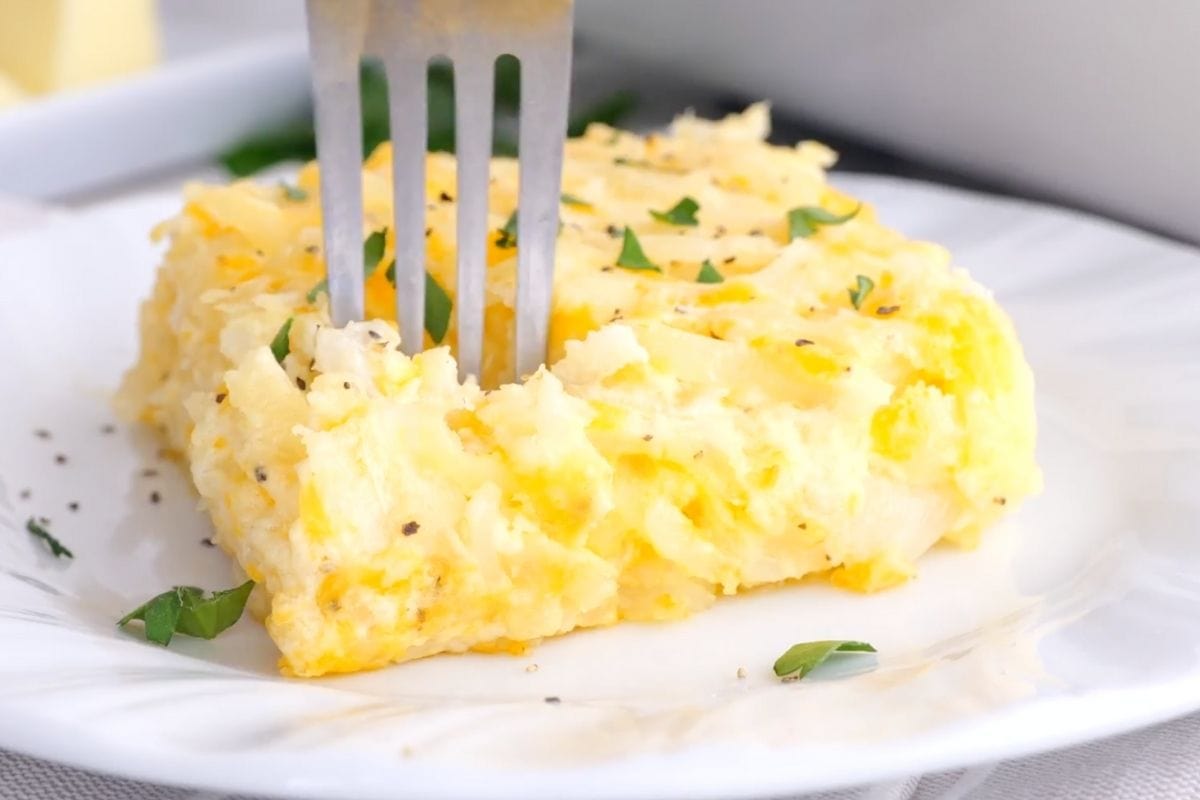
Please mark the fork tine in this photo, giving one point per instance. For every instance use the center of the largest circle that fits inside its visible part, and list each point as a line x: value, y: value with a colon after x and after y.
x: 473, y: 87
x: 336, y: 29
x: 407, y: 100
x: 545, y: 86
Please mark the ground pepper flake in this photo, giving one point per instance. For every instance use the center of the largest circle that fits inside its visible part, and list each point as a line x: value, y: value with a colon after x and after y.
x: 445, y: 197
x: 730, y: 260
x: 149, y: 472
x: 42, y: 433
x: 72, y: 506
x: 108, y: 429
x: 25, y: 494
x: 411, y: 527
x: 208, y: 542
x: 885, y: 311
x: 260, y: 474
x: 804, y: 342
x: 60, y: 459
x: 614, y: 231
x: 220, y: 398
x: 300, y: 384
x: 155, y: 497
x: 552, y: 700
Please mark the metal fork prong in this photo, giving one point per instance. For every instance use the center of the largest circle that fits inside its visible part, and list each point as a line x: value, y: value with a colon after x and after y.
x: 336, y: 31
x: 407, y: 101
x: 474, y: 80
x: 545, y: 84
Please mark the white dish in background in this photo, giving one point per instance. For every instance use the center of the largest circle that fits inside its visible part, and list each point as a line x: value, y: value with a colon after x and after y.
x: 1077, y: 618
x: 231, y: 68
x: 1073, y: 99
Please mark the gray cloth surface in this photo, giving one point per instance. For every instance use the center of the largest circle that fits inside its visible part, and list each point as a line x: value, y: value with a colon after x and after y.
x: 1159, y: 763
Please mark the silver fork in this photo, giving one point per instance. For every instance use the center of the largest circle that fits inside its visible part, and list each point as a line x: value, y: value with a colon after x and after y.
x: 405, y: 35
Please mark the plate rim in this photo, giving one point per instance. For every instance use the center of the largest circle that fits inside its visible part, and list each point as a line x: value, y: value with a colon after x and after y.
x: 79, y: 746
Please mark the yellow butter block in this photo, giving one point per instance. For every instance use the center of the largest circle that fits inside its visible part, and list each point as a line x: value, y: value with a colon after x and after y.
x: 47, y: 45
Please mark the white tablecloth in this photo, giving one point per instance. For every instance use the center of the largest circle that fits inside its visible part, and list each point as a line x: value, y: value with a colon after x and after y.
x: 1159, y: 763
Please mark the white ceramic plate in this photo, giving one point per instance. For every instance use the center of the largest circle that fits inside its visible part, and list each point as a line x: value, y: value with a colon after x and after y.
x: 1078, y: 618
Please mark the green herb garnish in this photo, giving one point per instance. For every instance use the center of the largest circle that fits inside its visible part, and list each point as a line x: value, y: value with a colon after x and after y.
x: 296, y: 141
x: 438, y: 305
x: 859, y: 293
x: 186, y: 610
x: 709, y: 274
x: 804, y: 221
x: 801, y: 659
x: 281, y: 345
x: 373, y: 247
x: 682, y: 213
x: 315, y: 292
x: 56, y: 547
x: 508, y: 234
x: 632, y: 256
x: 293, y: 193
x: 437, y: 309
x: 572, y: 200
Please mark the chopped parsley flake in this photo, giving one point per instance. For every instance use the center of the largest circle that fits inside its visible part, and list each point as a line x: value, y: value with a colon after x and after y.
x: 373, y: 247
x: 572, y: 200
x: 804, y: 221
x: 709, y: 273
x: 682, y: 213
x: 293, y: 193
x: 281, y: 345
x: 39, y: 531
x: 508, y: 234
x: 632, y: 256
x: 859, y: 293
x: 437, y: 309
x: 801, y: 659
x: 186, y: 610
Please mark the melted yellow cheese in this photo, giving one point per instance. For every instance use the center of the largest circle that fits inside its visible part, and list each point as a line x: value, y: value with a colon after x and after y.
x: 688, y: 439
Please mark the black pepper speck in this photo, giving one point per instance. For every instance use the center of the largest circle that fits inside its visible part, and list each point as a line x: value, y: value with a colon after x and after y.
x: 155, y: 497
x: 208, y: 542
x: 108, y: 429
x: 260, y: 474
x: 72, y: 506
x: 552, y: 700
x: 411, y: 527
x: 446, y: 197
x: 804, y: 342
x: 60, y: 459
x: 42, y: 433
x: 25, y: 494
x: 300, y: 384
x: 220, y: 398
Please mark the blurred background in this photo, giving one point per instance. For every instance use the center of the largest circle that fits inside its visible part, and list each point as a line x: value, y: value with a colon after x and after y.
x: 1087, y: 103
